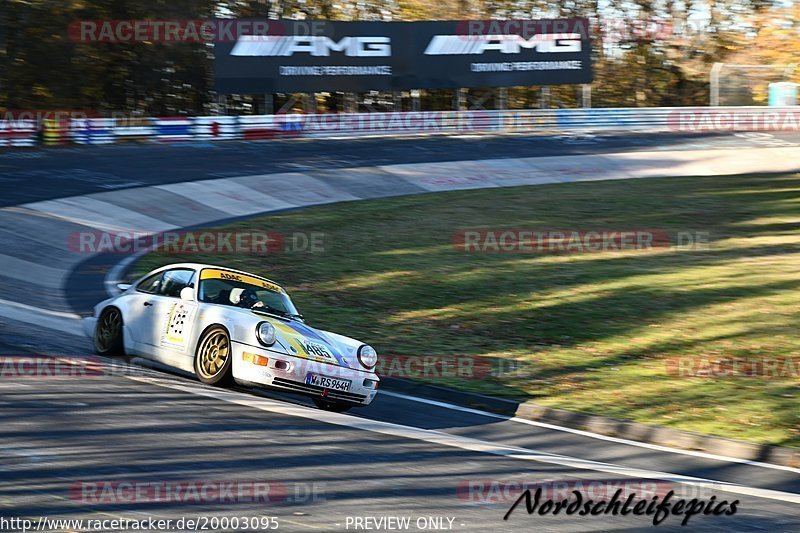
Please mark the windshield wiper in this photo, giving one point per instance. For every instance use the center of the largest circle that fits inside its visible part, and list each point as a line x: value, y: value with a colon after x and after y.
x: 270, y: 309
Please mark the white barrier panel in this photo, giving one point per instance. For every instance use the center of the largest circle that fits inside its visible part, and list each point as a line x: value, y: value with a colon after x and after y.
x: 399, y: 123
x: 216, y: 128
x: 134, y: 129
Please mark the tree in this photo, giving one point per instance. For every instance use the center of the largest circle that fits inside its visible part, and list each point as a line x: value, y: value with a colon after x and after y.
x: 42, y: 67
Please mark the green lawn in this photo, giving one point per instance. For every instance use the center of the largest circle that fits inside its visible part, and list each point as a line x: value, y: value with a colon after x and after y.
x: 589, y: 331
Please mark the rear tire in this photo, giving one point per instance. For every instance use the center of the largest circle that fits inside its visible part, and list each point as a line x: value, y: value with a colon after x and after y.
x: 108, y: 333
x: 214, y: 357
x: 333, y: 406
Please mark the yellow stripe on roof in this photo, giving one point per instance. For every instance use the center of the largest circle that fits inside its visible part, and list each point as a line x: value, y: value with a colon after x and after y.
x: 216, y: 273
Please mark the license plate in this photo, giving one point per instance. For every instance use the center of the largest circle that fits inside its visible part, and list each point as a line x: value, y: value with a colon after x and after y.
x: 328, y: 383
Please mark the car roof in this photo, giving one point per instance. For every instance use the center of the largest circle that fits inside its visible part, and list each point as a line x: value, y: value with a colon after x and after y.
x: 200, y: 266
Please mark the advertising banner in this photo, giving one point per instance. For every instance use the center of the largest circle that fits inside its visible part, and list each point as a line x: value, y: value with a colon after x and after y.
x: 316, y: 56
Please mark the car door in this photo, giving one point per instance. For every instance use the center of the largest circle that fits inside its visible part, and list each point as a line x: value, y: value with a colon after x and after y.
x: 175, y: 317
x: 161, y: 319
x: 141, y: 318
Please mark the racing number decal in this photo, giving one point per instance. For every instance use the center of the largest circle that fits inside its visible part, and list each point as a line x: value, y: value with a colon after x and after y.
x: 178, y: 324
x: 317, y: 350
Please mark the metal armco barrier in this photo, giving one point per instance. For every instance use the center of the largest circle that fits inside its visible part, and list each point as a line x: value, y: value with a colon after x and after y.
x: 140, y: 129
x: 55, y: 132
x: 18, y: 133
x: 216, y: 128
x: 174, y: 129
x: 260, y: 127
x: 93, y: 131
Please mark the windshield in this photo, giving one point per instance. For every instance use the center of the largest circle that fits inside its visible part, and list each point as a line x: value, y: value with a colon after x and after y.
x: 240, y: 290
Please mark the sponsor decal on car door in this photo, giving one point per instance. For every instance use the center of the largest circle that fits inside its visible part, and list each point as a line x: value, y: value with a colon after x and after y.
x: 177, y: 325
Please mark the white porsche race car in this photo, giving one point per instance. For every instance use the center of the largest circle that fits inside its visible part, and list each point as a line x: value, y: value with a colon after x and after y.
x: 225, y: 325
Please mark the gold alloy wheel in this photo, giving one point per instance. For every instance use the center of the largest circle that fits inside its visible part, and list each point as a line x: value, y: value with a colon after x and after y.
x: 108, y: 330
x: 213, y: 353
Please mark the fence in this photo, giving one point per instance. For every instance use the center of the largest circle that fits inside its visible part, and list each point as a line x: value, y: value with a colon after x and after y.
x: 222, y: 128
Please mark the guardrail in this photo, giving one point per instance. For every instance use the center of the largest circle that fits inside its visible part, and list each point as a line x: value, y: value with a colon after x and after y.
x: 221, y: 128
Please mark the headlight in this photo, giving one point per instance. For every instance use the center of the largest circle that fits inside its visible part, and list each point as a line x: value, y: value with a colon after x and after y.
x: 265, y: 333
x: 367, y: 356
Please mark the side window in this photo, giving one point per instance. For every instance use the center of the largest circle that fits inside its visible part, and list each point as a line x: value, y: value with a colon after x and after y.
x: 174, y: 281
x: 150, y: 284
x: 215, y: 291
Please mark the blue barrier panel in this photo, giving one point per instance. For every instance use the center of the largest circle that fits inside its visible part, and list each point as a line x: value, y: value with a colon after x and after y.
x: 173, y: 129
x: 93, y: 131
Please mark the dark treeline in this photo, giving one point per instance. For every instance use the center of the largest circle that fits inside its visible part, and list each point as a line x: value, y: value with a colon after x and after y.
x: 662, y: 62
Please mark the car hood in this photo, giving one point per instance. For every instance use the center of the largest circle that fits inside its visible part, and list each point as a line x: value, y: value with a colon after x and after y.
x: 301, y: 340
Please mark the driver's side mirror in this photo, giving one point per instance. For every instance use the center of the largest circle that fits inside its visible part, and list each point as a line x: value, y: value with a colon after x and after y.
x: 187, y: 294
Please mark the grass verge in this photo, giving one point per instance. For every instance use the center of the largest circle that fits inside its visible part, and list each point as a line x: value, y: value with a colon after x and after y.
x: 598, y: 332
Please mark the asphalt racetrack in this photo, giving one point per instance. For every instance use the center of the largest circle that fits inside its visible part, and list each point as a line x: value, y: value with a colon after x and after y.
x: 437, y: 465
x: 28, y: 176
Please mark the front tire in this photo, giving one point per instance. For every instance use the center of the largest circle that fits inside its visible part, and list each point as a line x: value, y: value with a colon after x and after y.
x: 214, y: 357
x: 333, y: 406
x: 108, y: 333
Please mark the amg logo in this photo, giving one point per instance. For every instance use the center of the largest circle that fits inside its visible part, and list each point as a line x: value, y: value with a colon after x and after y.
x: 443, y: 45
x: 316, y: 45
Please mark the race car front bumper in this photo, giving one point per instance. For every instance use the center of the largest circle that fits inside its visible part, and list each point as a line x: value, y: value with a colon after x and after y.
x: 259, y: 366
